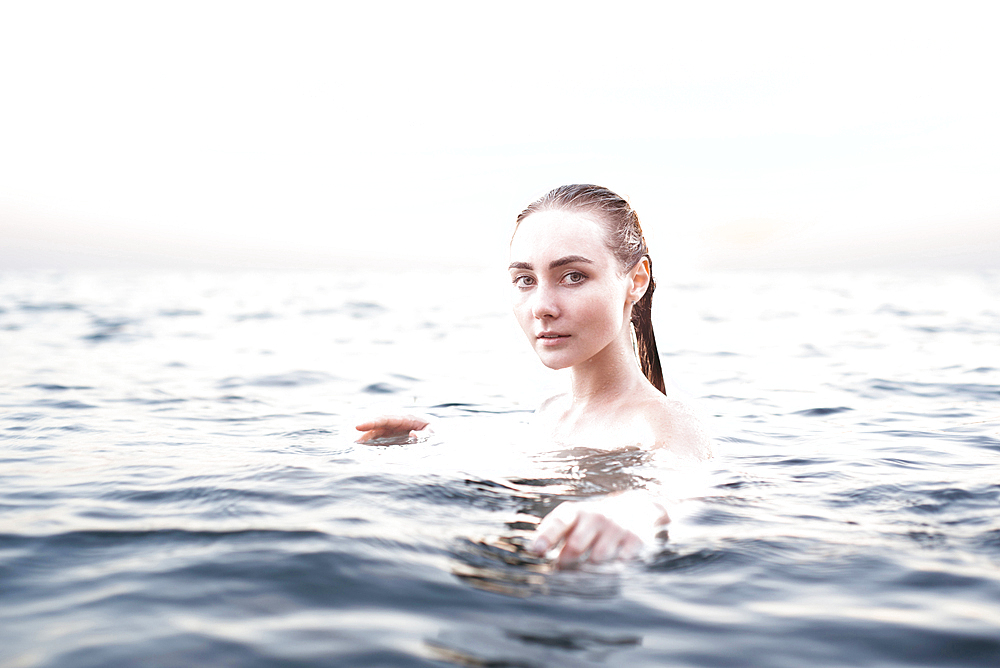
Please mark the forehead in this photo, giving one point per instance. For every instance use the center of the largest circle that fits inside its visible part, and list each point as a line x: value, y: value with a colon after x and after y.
x: 553, y: 234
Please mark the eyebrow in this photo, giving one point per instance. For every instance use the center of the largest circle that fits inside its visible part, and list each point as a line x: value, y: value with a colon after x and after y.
x: 569, y: 259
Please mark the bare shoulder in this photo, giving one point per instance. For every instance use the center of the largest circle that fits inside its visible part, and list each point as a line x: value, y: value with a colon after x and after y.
x: 552, y: 403
x: 546, y: 415
x: 678, y: 428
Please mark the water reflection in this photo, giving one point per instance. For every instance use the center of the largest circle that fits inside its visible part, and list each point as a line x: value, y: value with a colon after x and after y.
x: 529, y: 647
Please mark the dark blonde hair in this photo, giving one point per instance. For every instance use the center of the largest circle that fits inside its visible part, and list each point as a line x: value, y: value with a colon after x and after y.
x: 625, y: 240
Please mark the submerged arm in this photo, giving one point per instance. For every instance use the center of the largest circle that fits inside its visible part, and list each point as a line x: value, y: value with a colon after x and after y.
x: 599, y: 531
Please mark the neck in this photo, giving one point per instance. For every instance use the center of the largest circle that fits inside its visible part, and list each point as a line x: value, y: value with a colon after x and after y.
x: 609, y: 375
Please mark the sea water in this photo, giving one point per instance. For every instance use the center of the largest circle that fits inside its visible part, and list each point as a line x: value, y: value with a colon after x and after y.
x: 179, y: 482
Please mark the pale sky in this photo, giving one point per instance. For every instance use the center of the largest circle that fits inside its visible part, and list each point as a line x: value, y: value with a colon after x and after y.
x: 294, y: 133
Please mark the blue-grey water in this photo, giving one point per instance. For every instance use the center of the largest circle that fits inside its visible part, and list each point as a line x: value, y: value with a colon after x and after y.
x: 179, y: 484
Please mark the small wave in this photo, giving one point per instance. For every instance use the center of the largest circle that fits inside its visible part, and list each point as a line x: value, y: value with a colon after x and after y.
x: 217, y: 500
x: 928, y: 539
x: 805, y: 461
x: 290, y: 379
x: 49, y: 306
x: 235, y: 399
x: 876, y: 387
x: 308, y: 432
x: 244, y: 419
x: 69, y: 541
x: 981, y: 440
x: 462, y: 408
x: 889, y: 309
x: 179, y: 313
x: 151, y: 402
x: 363, y: 309
x: 715, y: 516
x: 108, y: 328
x: 51, y: 387
x: 821, y: 412
x: 990, y: 540
x: 948, y: 499
x: 63, y: 405
x: 381, y: 388
x: 866, y: 496
x: 975, y: 440
x: 671, y: 560
x: 577, y: 641
x: 25, y: 417
x: 470, y: 493
x: 264, y: 315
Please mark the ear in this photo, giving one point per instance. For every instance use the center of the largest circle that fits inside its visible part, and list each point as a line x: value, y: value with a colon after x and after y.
x: 639, y: 278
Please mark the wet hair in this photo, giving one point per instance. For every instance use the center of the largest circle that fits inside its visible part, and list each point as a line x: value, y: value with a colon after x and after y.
x: 625, y: 240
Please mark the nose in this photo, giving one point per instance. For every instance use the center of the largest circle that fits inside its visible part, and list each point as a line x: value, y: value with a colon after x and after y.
x: 544, y: 304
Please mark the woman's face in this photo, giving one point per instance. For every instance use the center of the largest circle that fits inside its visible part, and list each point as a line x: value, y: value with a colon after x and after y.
x: 570, y: 295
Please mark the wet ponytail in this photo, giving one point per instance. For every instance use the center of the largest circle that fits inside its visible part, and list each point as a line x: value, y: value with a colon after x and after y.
x: 626, y: 241
x: 645, y: 341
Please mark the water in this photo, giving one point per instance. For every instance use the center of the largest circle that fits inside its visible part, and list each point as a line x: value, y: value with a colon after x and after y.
x: 179, y: 484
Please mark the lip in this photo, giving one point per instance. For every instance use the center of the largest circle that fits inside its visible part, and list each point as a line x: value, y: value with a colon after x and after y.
x: 551, y: 338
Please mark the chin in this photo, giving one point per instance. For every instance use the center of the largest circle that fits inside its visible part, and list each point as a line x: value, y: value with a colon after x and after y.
x: 554, y: 362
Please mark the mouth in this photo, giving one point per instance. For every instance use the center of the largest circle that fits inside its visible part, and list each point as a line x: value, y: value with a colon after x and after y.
x: 549, y: 338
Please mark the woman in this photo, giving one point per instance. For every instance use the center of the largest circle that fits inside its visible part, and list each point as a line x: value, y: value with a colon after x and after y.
x: 583, y: 287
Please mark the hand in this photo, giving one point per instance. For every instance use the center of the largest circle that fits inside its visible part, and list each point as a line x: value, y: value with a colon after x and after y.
x: 391, y: 426
x: 598, y: 531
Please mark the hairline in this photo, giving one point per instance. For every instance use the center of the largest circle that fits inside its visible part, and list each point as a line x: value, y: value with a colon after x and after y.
x: 591, y: 213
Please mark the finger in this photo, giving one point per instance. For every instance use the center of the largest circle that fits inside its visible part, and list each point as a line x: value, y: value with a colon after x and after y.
x: 552, y: 529
x: 579, y: 539
x: 379, y: 431
x: 393, y: 423
x: 416, y: 424
x: 382, y: 422
x: 630, y: 547
x: 370, y: 435
x: 549, y: 534
x: 608, y: 543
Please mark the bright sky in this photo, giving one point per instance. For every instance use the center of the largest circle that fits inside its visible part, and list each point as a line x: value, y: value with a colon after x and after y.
x: 289, y: 133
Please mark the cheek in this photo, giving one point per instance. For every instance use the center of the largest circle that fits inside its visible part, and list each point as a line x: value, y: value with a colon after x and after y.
x: 521, y: 314
x: 605, y: 307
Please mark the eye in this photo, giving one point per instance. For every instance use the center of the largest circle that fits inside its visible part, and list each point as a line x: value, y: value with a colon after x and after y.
x: 574, y: 277
x: 523, y: 281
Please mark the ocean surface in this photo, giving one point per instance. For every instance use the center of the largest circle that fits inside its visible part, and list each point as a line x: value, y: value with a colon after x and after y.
x: 179, y: 482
